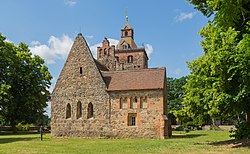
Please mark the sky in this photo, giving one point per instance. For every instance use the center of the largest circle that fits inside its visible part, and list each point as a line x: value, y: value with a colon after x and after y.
x: 168, y: 29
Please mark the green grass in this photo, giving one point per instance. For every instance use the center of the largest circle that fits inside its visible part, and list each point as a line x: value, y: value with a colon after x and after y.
x: 192, y: 142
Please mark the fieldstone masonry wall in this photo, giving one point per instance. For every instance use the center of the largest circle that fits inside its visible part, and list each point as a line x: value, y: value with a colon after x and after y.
x: 72, y: 87
x: 149, y: 121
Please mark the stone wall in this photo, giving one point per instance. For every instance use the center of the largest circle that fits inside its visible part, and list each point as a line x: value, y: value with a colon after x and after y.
x: 139, y: 59
x: 149, y: 121
x: 85, y: 86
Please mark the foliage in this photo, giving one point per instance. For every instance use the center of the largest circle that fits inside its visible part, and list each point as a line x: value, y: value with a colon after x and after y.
x: 219, y: 84
x: 242, y: 131
x: 24, y: 83
x: 227, y: 13
x: 175, y: 93
x: 21, y: 127
x: 44, y: 121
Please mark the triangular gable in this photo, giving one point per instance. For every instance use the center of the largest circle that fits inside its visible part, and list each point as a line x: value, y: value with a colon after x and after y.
x: 79, y: 70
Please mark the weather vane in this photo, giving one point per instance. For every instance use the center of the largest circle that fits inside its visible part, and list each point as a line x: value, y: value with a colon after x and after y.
x: 126, y: 12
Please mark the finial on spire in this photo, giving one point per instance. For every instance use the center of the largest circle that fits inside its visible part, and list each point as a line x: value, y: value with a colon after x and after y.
x: 126, y: 12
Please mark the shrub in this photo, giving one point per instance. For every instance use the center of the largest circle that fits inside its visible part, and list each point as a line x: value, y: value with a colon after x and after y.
x: 21, y: 127
x: 26, y: 127
x: 242, y: 131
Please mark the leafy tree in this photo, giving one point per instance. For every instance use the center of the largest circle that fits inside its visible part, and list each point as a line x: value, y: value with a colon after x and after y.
x: 24, y: 83
x: 219, y: 82
x: 175, y: 95
x: 226, y: 13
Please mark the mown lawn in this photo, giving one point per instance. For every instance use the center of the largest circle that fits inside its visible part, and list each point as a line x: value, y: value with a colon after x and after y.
x: 192, y: 142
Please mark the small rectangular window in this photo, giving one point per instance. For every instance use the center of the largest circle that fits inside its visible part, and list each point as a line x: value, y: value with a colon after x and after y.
x: 132, y: 119
x: 80, y: 70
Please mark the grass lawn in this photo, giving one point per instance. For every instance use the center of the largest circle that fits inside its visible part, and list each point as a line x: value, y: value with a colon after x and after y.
x: 192, y: 142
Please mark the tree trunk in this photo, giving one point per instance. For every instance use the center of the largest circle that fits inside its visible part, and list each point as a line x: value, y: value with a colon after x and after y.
x: 14, y: 129
x: 248, y: 117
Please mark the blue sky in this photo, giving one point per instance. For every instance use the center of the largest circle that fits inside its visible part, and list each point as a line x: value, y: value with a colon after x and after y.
x: 167, y: 28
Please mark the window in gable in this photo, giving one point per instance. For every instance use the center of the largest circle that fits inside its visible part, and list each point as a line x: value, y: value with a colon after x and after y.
x: 79, y: 110
x: 68, y: 111
x: 90, y: 111
x: 80, y: 70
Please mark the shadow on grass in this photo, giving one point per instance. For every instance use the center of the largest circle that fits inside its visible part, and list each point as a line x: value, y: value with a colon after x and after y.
x: 233, y: 143
x: 187, y: 135
x: 14, y: 137
x: 10, y: 140
x: 18, y: 133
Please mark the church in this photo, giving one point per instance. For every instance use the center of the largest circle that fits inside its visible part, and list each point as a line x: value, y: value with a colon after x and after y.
x: 113, y: 96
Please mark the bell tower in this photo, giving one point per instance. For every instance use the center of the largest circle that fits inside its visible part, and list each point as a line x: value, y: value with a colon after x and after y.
x: 127, y: 37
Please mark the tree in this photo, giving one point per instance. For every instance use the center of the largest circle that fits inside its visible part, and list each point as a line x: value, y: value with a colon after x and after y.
x: 219, y: 82
x: 24, y: 83
x: 227, y: 13
x: 175, y: 94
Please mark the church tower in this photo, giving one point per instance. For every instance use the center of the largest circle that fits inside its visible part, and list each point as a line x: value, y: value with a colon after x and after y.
x: 126, y: 55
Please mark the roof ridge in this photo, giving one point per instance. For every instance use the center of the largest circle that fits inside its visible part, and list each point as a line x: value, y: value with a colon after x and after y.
x: 136, y: 70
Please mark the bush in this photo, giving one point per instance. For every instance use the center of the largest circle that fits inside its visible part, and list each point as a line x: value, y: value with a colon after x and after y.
x: 242, y: 131
x: 21, y: 127
x: 26, y: 127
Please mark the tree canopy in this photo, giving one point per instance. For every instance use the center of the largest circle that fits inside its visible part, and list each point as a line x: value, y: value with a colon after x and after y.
x: 226, y: 13
x: 219, y: 84
x: 25, y: 81
x: 175, y: 93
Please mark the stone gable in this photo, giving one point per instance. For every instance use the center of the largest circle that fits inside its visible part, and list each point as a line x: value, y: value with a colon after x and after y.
x: 79, y: 81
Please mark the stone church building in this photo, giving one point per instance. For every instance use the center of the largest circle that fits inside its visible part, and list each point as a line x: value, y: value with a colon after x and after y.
x: 115, y: 95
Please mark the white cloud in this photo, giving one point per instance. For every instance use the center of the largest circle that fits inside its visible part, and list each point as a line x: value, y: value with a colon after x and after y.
x: 70, y: 2
x: 57, y: 48
x: 149, y: 49
x: 184, y: 16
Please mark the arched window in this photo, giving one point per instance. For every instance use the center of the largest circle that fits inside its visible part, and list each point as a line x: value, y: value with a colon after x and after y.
x: 130, y: 59
x: 123, y: 103
x: 126, y: 33
x: 68, y: 111
x: 79, y: 110
x: 133, y: 103
x: 124, y: 46
x: 143, y: 103
x: 90, y: 110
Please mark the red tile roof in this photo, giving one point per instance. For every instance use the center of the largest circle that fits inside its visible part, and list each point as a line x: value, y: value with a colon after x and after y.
x: 152, y: 78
